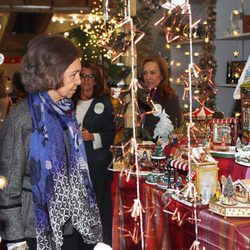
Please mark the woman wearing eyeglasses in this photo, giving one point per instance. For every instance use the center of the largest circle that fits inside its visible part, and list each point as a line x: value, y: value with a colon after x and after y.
x: 94, y: 113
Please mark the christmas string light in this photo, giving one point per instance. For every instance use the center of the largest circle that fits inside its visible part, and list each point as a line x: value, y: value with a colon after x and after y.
x: 195, y: 246
x: 105, y: 12
x: 137, y: 234
x: 189, y: 191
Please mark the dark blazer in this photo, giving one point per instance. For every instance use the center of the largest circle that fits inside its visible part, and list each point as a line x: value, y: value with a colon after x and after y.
x: 103, y: 123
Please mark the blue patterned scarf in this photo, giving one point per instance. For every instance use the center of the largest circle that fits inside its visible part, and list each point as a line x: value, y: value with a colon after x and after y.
x: 61, y: 185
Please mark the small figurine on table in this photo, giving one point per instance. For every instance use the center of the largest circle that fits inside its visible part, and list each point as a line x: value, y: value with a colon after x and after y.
x: 223, y: 140
x: 232, y: 133
x: 159, y: 158
x: 144, y: 162
x: 218, y: 191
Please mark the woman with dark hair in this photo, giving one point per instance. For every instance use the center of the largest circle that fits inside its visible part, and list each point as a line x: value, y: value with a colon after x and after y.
x: 49, y: 202
x: 156, y: 80
x: 94, y: 113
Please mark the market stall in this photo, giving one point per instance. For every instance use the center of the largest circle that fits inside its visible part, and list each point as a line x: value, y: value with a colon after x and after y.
x: 181, y: 165
x: 168, y: 228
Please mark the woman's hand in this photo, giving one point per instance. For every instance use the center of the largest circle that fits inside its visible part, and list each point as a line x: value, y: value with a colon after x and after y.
x: 86, y: 135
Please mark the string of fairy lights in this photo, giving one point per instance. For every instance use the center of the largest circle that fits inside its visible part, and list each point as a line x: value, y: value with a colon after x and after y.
x: 137, y: 209
x: 98, y: 29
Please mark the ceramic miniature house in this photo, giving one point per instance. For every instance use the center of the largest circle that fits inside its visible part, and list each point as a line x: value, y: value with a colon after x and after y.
x: 223, y: 133
x: 242, y: 190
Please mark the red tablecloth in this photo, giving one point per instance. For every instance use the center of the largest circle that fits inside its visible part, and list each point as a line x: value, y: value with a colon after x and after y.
x: 228, y: 166
x: 162, y: 231
x: 215, y: 232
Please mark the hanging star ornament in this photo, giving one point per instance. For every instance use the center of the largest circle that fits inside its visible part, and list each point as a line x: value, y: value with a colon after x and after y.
x: 175, y: 24
x: 137, y: 210
x: 135, y: 235
x: 203, y: 78
x: 184, y: 79
x: 195, y: 245
x: 172, y: 24
x: 122, y: 159
x: 173, y: 210
x: 125, y: 36
x: 121, y: 95
x: 174, y: 3
x: 125, y: 160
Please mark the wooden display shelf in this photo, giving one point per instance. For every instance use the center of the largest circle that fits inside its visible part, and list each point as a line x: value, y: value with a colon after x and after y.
x: 194, y: 41
x: 226, y: 85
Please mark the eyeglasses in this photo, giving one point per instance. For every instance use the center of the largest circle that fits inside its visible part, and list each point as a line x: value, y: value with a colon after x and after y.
x: 85, y: 76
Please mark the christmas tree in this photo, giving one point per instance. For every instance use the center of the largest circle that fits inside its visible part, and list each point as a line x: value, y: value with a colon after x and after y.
x: 228, y: 190
x: 163, y: 128
x: 158, y: 152
x: 158, y: 157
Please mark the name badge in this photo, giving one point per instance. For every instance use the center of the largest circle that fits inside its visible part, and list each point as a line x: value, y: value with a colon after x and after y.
x: 99, y: 108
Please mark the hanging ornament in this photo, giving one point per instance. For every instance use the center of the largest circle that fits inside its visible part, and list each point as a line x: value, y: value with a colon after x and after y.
x: 195, y: 245
x: 172, y: 24
x: 175, y: 24
x: 134, y: 234
x: 152, y: 4
x: 136, y: 211
x: 174, y: 3
x: 123, y: 38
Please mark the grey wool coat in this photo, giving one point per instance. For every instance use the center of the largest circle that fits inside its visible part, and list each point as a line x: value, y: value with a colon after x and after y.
x: 16, y: 205
x: 16, y: 202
